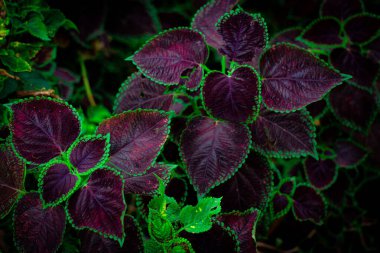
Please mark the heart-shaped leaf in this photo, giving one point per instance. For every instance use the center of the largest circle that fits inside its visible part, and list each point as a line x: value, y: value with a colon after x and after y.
x: 136, y: 139
x: 89, y: 153
x: 38, y: 230
x: 235, y: 97
x: 167, y: 56
x: 206, y: 18
x: 294, y: 78
x: 148, y: 183
x: 341, y: 9
x: 140, y: 92
x: 320, y: 173
x: 249, y: 187
x: 244, y: 225
x: 323, y: 32
x: 244, y: 35
x: 362, y: 27
x: 280, y: 205
x: 284, y: 135
x: 99, y: 205
x: 308, y: 204
x: 349, y: 154
x: 12, y: 175
x: 43, y: 128
x: 353, y: 107
x: 56, y: 183
x: 213, y: 151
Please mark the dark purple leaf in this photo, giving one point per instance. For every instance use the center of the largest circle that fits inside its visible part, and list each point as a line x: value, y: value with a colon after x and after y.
x: 284, y: 135
x: 206, y: 18
x: 354, y: 107
x: 362, y: 27
x: 337, y: 192
x: 177, y: 188
x: 191, y: 78
x: 308, y: 204
x: 288, y: 35
x: 280, y: 205
x: 89, y: 152
x: 217, y: 239
x: 66, y: 79
x: 244, y: 36
x: 348, y: 154
x: 99, y: 205
x: 167, y: 56
x: 294, y: 78
x: 92, y: 242
x: 136, y: 139
x: 56, y: 183
x: 249, y: 187
x: 341, y: 9
x: 43, y: 128
x: 140, y: 92
x: 12, y: 175
x: 147, y: 184
x: 287, y: 186
x: 244, y: 225
x: 320, y: 173
x: 213, y: 151
x: 323, y: 32
x: 38, y: 230
x: 373, y: 47
x: 235, y: 97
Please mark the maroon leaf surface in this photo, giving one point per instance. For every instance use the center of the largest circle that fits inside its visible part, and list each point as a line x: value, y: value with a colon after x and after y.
x: 362, y: 27
x: 323, y: 32
x: 341, y: 9
x: 288, y: 35
x: 348, y: 154
x: 320, y: 173
x: 280, y: 205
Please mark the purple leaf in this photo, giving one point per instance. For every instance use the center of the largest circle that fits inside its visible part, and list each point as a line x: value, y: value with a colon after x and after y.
x: 89, y: 153
x: 66, y: 79
x: 235, y: 97
x: 294, y: 78
x: 341, y: 9
x: 337, y: 192
x: 308, y: 204
x: 99, y: 206
x: 43, y: 128
x: 249, y: 187
x: 362, y: 70
x: 288, y: 186
x: 140, y: 92
x: 373, y: 47
x: 167, y: 56
x: 362, y: 27
x: 244, y: 35
x: 206, y: 18
x: 147, y: 184
x: 320, y: 173
x: 284, y: 135
x: 348, y: 154
x: 353, y: 107
x: 323, y: 32
x: 12, y: 175
x: 38, y: 230
x: 288, y: 35
x: 213, y: 151
x: 244, y: 225
x: 136, y: 139
x: 56, y: 183
x: 192, y: 78
x: 280, y: 205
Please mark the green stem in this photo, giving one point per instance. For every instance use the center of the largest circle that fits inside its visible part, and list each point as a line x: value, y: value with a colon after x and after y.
x: 205, y: 68
x: 224, y: 64
x: 153, y: 14
x: 86, y: 83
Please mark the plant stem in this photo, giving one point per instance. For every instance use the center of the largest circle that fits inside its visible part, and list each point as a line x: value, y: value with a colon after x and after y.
x: 86, y: 82
x: 224, y: 64
x: 205, y: 68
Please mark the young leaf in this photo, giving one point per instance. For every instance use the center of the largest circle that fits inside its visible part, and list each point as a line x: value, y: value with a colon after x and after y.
x: 308, y: 204
x: 140, y: 92
x: 136, y: 139
x: 99, y: 205
x: 341, y: 9
x: 16, y: 64
x: 36, y: 27
x: 362, y: 27
x: 197, y: 219
x: 89, y: 153
x: 159, y: 227
x: 43, y: 128
x: 213, y: 151
x: 348, y: 154
x: 354, y: 107
x: 323, y: 32
x: 56, y: 183
x: 288, y: 186
x: 37, y: 229
x: 280, y: 205
x: 191, y: 78
x: 320, y: 173
x: 235, y: 97
x: 206, y: 18
x: 244, y: 36
x: 12, y: 174
x: 181, y: 245
x: 294, y: 78
x: 249, y: 187
x: 167, y: 56
x: 284, y: 135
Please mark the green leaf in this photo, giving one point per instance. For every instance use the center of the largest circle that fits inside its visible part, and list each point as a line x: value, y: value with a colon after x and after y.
x: 159, y: 227
x: 180, y: 245
x: 151, y: 246
x: 197, y: 219
x: 36, y: 27
x: 54, y: 19
x: 25, y: 50
x: 97, y: 114
x: 16, y: 64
